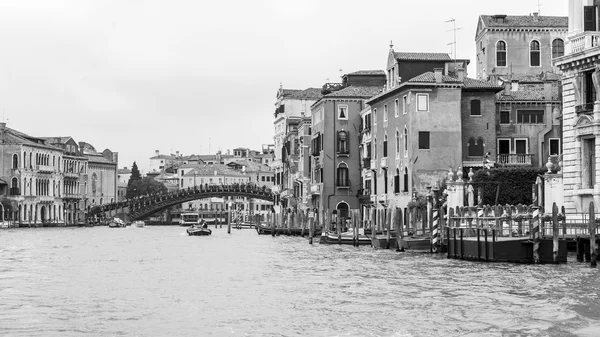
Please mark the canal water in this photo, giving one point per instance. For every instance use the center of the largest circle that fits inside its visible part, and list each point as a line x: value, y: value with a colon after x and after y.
x: 157, y: 281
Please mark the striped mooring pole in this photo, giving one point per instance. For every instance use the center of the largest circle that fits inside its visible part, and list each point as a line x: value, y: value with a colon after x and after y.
x: 536, y: 235
x: 435, y: 235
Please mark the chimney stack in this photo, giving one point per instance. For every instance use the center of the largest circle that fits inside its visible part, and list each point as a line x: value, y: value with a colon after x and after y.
x: 548, y: 90
x: 438, y: 75
x: 535, y: 16
x: 461, y: 74
x: 156, y: 151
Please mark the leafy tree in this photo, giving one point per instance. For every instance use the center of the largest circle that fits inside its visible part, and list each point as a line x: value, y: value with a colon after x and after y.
x: 144, y: 186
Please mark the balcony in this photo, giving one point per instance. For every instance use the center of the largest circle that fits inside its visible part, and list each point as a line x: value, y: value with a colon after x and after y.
x: 584, y: 41
x: 364, y: 197
x: 71, y: 196
x: 71, y: 175
x: 315, y: 189
x: 384, y: 162
x: 383, y: 198
x: 373, y: 198
x: 276, y: 189
x: 584, y: 108
x: 515, y: 159
x: 44, y: 168
x: 343, y: 183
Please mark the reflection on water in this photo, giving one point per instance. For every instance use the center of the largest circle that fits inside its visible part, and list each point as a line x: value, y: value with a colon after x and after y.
x: 157, y: 281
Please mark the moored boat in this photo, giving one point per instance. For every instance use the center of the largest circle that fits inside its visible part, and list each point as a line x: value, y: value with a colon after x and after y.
x: 138, y: 224
x: 264, y: 229
x: 116, y: 223
x: 346, y: 238
x: 415, y: 243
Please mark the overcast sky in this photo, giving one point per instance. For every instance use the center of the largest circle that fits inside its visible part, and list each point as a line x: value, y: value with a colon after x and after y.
x: 137, y: 76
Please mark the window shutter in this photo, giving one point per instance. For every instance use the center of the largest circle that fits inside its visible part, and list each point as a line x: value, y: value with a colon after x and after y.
x: 589, y: 18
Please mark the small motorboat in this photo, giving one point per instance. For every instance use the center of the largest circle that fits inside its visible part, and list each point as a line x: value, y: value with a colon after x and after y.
x: 116, y: 223
x: 138, y: 224
x: 199, y: 231
x: 347, y: 238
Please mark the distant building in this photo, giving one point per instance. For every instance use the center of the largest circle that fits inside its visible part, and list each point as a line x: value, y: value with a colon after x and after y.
x: 518, y: 44
x: 123, y: 175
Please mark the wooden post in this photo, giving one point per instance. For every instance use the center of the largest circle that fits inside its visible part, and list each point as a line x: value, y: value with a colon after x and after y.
x: 487, y: 255
x: 355, y: 219
x: 274, y: 219
x: 555, y: 232
x: 462, y: 245
x: 478, y: 244
x: 388, y: 223
x: 311, y: 229
x: 229, y: 222
x: 579, y: 243
x: 592, y: 231
x: 564, y: 221
x: 338, y: 222
x: 442, y: 229
x: 398, y: 226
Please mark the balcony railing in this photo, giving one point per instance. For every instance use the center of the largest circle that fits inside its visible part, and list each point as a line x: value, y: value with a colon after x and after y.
x: 583, y: 108
x: 45, y: 168
x: 72, y: 196
x: 384, y: 162
x: 383, y: 198
x: 15, y: 191
x: 343, y: 183
x: 315, y: 189
x: 45, y: 198
x: 71, y: 174
x: 514, y: 159
x: 584, y: 41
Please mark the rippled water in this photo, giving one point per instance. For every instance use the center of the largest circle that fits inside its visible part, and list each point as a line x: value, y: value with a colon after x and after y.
x: 157, y: 281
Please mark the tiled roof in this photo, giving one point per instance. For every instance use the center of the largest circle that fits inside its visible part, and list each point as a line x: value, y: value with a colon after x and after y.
x: 368, y: 72
x: 537, y: 78
x: 527, y: 21
x: 11, y: 136
x: 429, y: 77
x: 164, y: 156
x: 468, y: 83
x: 209, y: 170
x: 250, y: 165
x: 409, y: 56
x: 56, y: 140
x: 99, y: 159
x: 471, y: 83
x: 123, y: 171
x: 310, y: 93
x: 532, y: 94
x: 287, y: 92
x: 356, y: 91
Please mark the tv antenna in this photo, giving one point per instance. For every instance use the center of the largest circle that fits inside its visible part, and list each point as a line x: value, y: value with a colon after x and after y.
x: 539, y: 8
x: 454, y: 29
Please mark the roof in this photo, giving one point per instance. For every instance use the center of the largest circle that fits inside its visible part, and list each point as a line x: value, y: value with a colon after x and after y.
x: 92, y: 158
x: 310, y: 94
x: 123, y: 171
x: 368, y: 72
x: 356, y: 91
x: 537, y: 78
x: 209, y: 170
x: 468, y: 83
x: 57, y: 140
x: 410, y: 56
x: 250, y: 165
x: 531, y: 94
x: 287, y: 92
x: 11, y: 136
x: 527, y: 21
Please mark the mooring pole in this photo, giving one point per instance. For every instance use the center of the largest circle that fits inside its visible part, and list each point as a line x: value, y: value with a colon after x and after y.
x: 592, y: 230
x: 555, y: 233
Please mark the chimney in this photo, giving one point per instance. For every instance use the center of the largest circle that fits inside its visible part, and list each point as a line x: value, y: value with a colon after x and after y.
x: 507, y: 87
x: 461, y: 74
x: 177, y: 153
x: 548, y: 90
x: 438, y: 75
x: 535, y: 17
x: 156, y: 152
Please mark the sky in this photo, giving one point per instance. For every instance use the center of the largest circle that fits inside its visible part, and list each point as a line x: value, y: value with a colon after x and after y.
x: 136, y: 76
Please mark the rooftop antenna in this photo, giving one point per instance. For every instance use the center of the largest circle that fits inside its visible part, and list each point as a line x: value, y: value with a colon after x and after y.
x: 341, y: 73
x: 454, y: 29
x: 539, y: 8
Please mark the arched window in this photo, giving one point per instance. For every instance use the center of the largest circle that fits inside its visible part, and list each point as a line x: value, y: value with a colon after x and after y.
x: 405, y: 139
x: 397, y: 143
x: 475, y: 148
x: 534, y: 53
x: 342, y: 142
x: 31, y: 160
x: 397, y: 181
x: 342, y: 175
x: 385, y: 145
x: 558, y: 48
x: 14, y: 186
x: 342, y: 209
x: 500, y: 54
x: 405, y: 187
x: 15, y: 161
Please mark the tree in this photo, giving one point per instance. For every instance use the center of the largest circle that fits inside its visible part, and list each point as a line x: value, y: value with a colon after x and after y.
x: 514, y: 182
x: 135, y: 173
x: 144, y: 186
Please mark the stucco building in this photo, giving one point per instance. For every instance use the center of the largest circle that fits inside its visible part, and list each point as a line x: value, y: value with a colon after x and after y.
x: 580, y: 68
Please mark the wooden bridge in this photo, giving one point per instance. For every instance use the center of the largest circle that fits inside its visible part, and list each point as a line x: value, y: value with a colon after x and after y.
x: 142, y: 207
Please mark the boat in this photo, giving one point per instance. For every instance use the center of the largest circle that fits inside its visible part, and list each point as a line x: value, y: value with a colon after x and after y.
x: 198, y: 231
x: 116, y: 223
x: 138, y: 224
x: 415, y: 243
x: 346, y: 238
x: 265, y: 229
x: 189, y: 219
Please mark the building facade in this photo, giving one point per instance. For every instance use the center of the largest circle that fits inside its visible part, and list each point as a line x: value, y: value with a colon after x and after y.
x: 580, y: 68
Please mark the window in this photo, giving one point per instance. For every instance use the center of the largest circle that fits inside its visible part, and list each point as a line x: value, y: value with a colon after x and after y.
x: 343, y: 112
x: 475, y: 107
x: 342, y: 175
x: 396, y: 111
x: 588, y: 162
x: 504, y: 117
x: 558, y: 48
x: 500, y: 54
x: 375, y: 148
x: 405, y: 140
x: 15, y: 161
x: 405, y: 187
x: 385, y: 143
x: 343, y: 142
x: 554, y: 146
x: 534, y: 53
x: 521, y: 146
x: 397, y: 181
x: 589, y: 18
x: 374, y: 117
x: 385, y: 113
x: 530, y: 116
x: 423, y: 140
x: 423, y: 102
x: 397, y: 144
x: 404, y: 107
x: 589, y: 90
x: 475, y: 147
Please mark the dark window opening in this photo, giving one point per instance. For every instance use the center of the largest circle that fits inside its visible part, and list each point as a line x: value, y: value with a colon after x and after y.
x: 534, y: 53
x: 504, y: 117
x: 558, y: 48
x: 501, y: 54
x: 423, y: 140
x: 475, y: 107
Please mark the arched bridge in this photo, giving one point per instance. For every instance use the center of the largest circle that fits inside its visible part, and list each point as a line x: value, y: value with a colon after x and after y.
x: 142, y: 207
